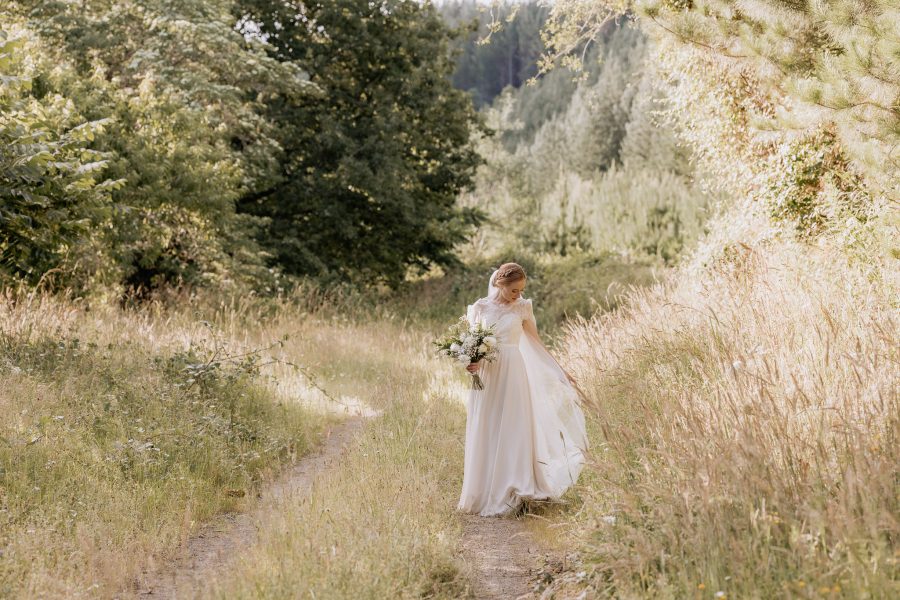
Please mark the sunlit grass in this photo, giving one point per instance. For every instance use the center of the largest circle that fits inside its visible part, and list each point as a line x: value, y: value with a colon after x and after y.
x: 746, y: 441
x: 382, y: 524
x: 117, y: 443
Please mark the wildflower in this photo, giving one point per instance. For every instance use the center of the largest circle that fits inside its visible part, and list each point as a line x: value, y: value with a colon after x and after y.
x: 609, y: 519
x: 720, y: 594
x: 701, y: 586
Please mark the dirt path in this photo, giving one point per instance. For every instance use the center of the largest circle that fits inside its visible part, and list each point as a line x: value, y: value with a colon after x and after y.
x: 505, y: 557
x: 219, y: 543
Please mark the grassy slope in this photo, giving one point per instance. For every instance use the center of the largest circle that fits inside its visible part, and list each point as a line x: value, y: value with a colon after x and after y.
x: 746, y: 422
x: 111, y: 453
x: 382, y: 525
x: 115, y: 450
x: 744, y: 427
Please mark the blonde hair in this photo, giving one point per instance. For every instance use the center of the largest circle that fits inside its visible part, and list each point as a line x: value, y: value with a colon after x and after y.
x: 509, y: 272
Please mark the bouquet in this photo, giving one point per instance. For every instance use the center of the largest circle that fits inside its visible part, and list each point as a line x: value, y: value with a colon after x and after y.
x: 468, y: 343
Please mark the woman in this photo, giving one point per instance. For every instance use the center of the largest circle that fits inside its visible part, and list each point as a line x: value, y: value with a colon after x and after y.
x: 525, y: 434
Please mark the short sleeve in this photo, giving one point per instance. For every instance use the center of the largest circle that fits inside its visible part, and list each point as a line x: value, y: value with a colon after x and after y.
x: 528, y: 311
x: 472, y: 312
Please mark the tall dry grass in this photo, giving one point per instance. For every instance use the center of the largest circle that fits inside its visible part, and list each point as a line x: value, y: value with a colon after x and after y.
x: 747, y: 431
x: 119, y: 446
x: 123, y: 431
x: 382, y: 524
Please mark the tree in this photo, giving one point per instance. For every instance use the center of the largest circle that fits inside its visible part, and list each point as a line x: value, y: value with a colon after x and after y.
x: 180, y: 92
x: 499, y: 45
x: 831, y: 61
x: 52, y: 185
x: 372, y: 166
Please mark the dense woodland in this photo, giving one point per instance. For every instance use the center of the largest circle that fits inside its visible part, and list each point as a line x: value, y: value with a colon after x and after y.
x: 211, y: 144
x: 292, y: 198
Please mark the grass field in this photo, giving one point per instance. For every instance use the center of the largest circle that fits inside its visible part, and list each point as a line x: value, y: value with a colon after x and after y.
x: 743, y: 421
x: 747, y: 421
x: 122, y: 432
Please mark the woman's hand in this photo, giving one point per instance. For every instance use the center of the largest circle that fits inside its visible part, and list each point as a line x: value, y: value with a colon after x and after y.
x: 473, y: 367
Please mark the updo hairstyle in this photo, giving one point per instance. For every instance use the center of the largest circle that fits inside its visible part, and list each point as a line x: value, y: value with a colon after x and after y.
x: 509, y: 272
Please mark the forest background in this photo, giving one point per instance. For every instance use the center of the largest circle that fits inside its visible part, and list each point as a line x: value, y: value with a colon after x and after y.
x: 704, y: 195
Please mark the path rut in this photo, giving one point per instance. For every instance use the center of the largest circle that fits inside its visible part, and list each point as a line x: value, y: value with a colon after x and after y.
x: 505, y: 557
x: 219, y: 543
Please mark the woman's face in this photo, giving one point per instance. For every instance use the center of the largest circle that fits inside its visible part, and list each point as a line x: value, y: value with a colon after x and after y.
x: 511, y: 290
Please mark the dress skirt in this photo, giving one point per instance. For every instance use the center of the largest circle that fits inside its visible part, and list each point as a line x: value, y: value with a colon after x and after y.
x: 500, y: 457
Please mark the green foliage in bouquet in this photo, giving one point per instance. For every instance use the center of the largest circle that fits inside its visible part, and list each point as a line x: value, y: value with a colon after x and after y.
x: 468, y: 343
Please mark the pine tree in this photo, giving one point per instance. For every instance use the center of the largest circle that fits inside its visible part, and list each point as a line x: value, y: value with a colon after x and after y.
x: 651, y: 136
x: 839, y: 58
x: 829, y: 61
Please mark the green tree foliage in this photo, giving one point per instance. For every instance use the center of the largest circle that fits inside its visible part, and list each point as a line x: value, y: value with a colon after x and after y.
x: 183, y: 91
x: 191, y: 109
x: 835, y: 61
x: 831, y: 61
x: 371, y: 168
x: 501, y: 47
x: 592, y: 162
x: 52, y: 185
x: 813, y: 185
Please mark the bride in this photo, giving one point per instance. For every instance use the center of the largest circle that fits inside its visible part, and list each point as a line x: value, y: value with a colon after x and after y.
x: 525, y: 432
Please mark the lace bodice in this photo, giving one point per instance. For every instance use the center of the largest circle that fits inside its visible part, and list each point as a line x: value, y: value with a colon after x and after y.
x: 506, y: 319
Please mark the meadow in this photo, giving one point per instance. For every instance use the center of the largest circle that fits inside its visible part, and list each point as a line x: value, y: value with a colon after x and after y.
x: 133, y: 427
x: 747, y: 443
x: 123, y: 432
x: 223, y: 231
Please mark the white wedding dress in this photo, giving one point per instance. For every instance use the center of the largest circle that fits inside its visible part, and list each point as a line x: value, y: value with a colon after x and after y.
x: 525, y: 431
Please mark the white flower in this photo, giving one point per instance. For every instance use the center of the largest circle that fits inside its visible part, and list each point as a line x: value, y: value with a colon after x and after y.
x: 455, y: 348
x: 482, y: 349
x: 490, y: 340
x: 464, y: 359
x: 609, y: 519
